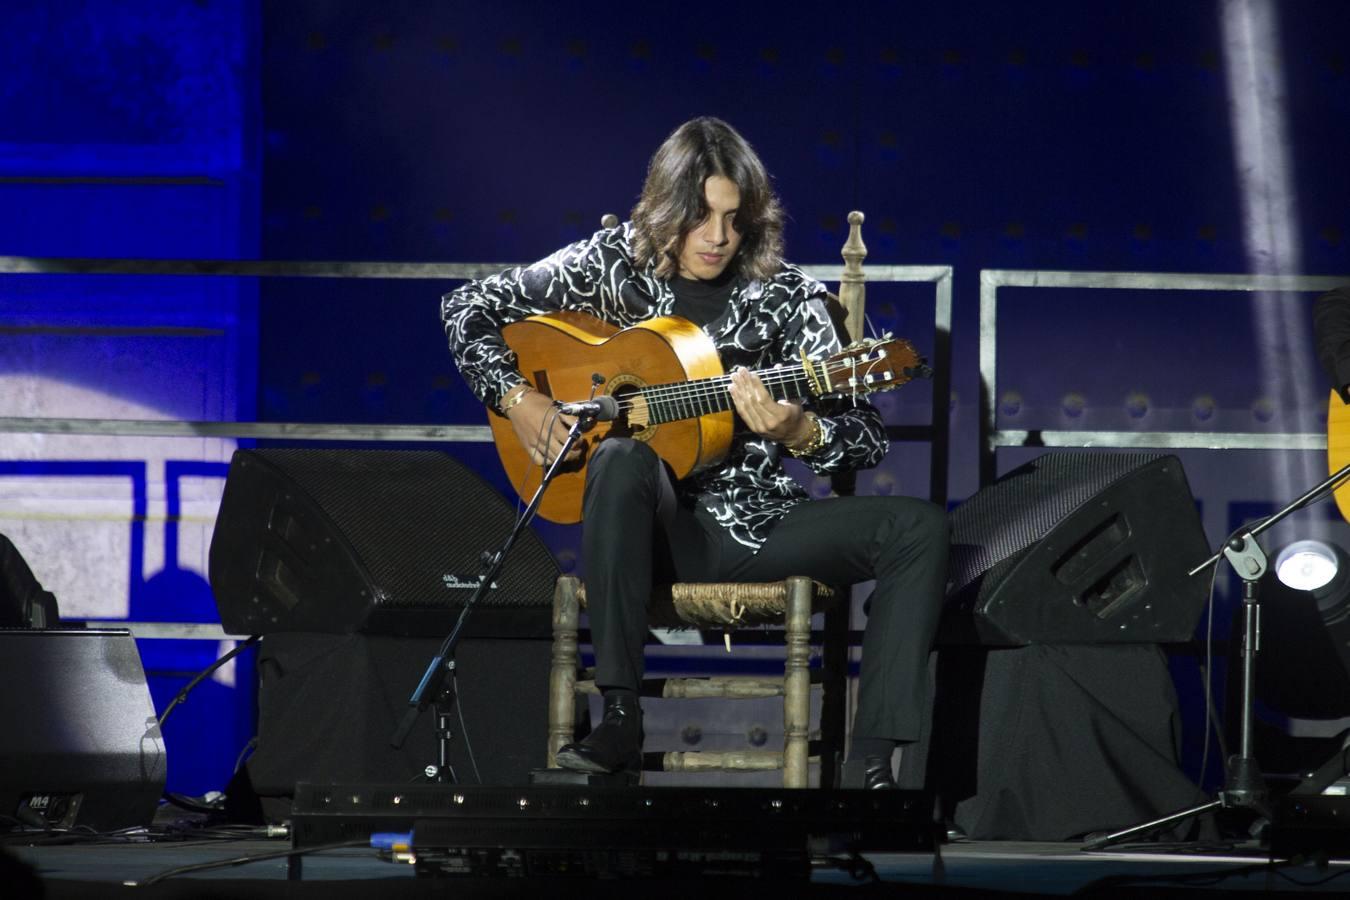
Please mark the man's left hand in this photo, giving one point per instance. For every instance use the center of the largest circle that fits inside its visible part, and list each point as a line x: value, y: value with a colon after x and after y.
x: 777, y: 420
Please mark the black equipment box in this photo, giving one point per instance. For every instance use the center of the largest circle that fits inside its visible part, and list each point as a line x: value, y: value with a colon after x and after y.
x: 1311, y: 825
x: 616, y: 831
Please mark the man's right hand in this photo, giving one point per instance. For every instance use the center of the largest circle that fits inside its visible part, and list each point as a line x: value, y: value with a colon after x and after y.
x: 540, y: 428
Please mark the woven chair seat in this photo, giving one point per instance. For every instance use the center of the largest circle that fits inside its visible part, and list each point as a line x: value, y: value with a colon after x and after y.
x: 714, y: 605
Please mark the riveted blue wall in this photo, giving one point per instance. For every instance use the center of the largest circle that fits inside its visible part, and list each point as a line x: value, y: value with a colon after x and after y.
x: 128, y: 130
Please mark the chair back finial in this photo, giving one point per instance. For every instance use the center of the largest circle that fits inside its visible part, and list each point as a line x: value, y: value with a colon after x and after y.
x: 852, y: 283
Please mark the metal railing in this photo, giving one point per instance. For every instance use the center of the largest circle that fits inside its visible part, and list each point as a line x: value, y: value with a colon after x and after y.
x: 936, y: 432
x: 992, y: 437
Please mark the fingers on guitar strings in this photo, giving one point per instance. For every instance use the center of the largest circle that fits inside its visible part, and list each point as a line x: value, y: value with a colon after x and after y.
x: 539, y: 447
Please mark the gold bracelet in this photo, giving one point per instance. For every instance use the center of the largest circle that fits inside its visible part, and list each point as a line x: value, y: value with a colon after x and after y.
x: 815, y: 443
x: 504, y: 406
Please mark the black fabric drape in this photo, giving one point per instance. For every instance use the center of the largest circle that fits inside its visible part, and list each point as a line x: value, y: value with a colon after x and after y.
x: 328, y: 705
x: 1053, y: 742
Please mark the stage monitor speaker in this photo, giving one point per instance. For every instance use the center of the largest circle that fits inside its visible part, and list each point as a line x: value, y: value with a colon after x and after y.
x: 80, y: 742
x: 1077, y: 548
x: 373, y: 541
x: 23, y: 602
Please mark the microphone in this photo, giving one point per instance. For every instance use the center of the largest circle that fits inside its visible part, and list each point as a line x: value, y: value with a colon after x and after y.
x: 602, y: 409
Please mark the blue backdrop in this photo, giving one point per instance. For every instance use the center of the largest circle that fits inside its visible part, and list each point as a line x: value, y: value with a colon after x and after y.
x: 1055, y: 135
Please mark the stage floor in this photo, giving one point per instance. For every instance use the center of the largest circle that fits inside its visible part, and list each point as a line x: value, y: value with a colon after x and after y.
x: 958, y: 868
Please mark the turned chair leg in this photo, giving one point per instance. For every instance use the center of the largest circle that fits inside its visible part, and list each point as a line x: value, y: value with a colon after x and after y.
x: 834, y: 691
x: 797, y: 683
x: 562, y: 679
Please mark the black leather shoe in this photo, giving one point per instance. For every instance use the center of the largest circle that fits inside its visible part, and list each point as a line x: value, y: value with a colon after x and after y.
x: 870, y: 774
x: 615, y: 745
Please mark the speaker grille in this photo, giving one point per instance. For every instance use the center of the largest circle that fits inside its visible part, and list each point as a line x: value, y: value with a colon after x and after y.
x: 350, y: 540
x: 1015, y: 512
x: 1077, y: 548
x: 414, y: 517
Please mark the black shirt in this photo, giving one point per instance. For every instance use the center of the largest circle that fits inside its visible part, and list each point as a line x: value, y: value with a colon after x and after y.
x: 702, y: 302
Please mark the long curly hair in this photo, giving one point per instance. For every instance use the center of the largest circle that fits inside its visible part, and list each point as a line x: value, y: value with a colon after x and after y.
x: 673, y: 202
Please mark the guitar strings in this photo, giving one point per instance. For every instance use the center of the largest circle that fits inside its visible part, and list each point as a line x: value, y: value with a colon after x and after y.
x: 716, y: 387
x: 717, y: 384
x: 716, y: 390
x: 712, y: 388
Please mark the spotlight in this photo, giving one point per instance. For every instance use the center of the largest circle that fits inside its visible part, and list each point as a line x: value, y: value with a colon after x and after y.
x: 1307, y: 565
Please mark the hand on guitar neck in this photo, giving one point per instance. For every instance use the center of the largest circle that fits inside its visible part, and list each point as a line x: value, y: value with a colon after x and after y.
x: 540, y: 427
x: 778, y: 420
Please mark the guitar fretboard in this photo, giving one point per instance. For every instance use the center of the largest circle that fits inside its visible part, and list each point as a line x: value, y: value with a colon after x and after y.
x: 691, y: 399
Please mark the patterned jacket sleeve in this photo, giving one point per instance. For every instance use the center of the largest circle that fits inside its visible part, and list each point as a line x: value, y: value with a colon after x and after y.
x: 474, y: 313
x: 854, y: 433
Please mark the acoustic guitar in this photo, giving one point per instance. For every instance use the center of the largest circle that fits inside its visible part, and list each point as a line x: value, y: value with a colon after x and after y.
x: 1338, y: 448
x: 670, y: 389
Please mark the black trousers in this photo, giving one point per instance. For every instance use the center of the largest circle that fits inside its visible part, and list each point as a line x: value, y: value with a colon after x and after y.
x: 635, y: 534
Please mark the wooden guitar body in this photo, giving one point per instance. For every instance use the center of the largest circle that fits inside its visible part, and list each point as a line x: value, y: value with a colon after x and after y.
x: 559, y: 354
x: 1338, y: 448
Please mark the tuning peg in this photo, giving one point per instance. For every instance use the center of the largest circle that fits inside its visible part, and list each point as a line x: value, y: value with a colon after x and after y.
x: 919, y: 371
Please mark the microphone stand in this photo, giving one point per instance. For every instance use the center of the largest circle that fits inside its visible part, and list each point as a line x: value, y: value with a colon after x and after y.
x: 1244, y: 786
x: 437, y: 684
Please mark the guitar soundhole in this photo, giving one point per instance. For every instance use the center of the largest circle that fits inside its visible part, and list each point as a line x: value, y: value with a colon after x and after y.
x: 633, y: 421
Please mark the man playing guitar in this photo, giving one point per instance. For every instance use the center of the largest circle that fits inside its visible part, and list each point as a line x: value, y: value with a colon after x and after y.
x: 1331, y: 335
x: 704, y: 244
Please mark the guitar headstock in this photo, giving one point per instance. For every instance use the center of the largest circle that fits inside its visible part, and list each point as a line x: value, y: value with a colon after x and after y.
x: 868, y: 366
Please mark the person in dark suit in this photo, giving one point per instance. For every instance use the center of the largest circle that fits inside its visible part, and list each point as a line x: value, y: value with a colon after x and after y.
x: 1331, y: 334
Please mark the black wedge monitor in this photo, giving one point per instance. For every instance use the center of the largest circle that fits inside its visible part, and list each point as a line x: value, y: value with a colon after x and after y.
x: 79, y: 739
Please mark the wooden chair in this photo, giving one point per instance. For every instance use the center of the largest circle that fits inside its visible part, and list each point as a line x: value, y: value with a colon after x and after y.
x: 789, y: 603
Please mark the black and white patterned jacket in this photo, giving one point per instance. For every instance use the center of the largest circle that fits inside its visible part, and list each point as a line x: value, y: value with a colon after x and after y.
x: 768, y: 322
